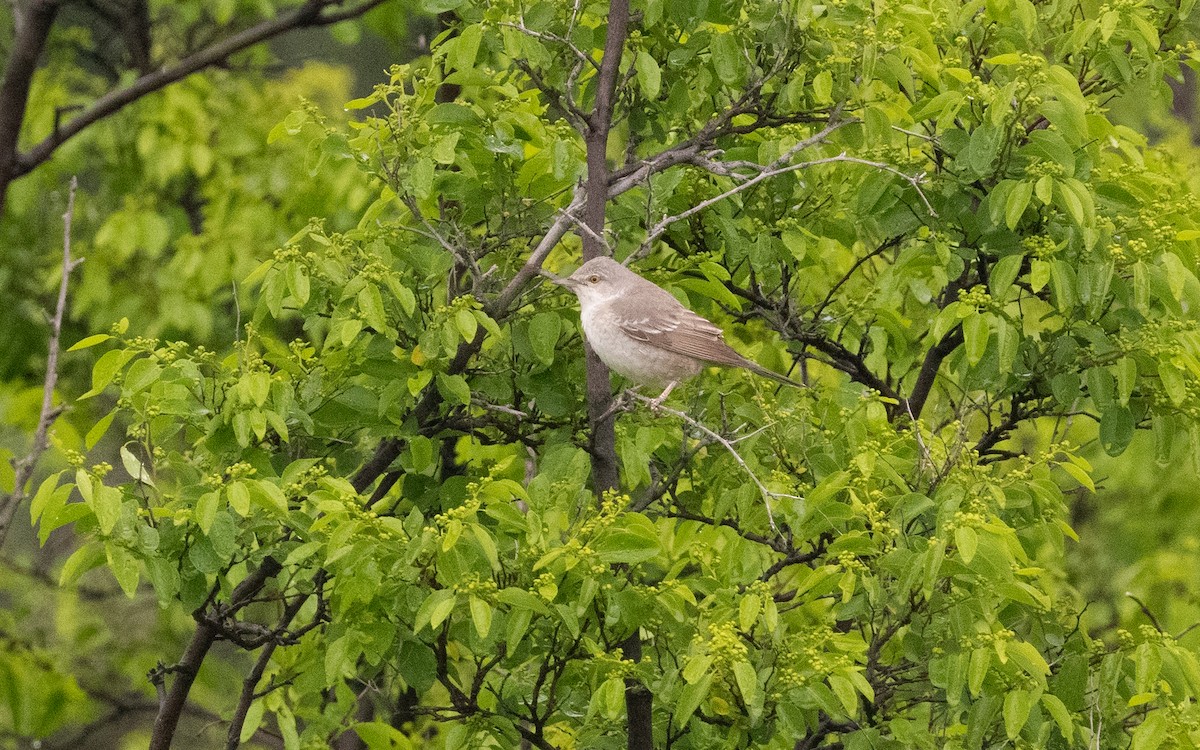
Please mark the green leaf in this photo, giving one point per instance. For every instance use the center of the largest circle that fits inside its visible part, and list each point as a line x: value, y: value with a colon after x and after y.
x: 1004, y: 273
x: 1079, y: 475
x: 1116, y: 429
x: 87, y: 557
x: 1062, y: 717
x: 1152, y: 732
x: 626, y: 546
x: 967, y: 541
x: 481, y: 615
x: 1017, y: 705
x: 98, y: 338
x: 690, y: 698
x: 206, y: 510
x: 697, y: 668
x: 976, y: 332
x: 1064, y: 285
x: 380, y: 736
x: 727, y: 60
x: 268, y: 496
x: 543, y: 335
x: 822, y: 86
x: 297, y: 282
x: 454, y: 388
x: 1039, y: 274
x: 649, y: 76
x: 124, y: 567
x: 370, y: 303
x: 1028, y: 658
x: 747, y: 681
x: 466, y: 48
x: 748, y: 611
x: 45, y: 492
x: 1173, y: 382
x: 467, y: 324
x: 1018, y: 201
x: 99, y: 429
x: 1126, y: 372
x: 106, y: 368
x: 435, y: 609
x: 845, y: 692
x: 106, y: 504
x: 134, y: 467
x: 403, y: 295
x: 981, y: 660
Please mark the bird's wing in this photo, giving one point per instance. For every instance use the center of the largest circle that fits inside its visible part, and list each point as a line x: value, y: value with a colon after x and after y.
x: 668, y: 325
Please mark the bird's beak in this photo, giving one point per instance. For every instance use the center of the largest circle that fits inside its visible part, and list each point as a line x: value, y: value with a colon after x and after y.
x: 565, y: 281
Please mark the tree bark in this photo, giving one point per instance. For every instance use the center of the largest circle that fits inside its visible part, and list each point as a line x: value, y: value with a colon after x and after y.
x: 605, y: 470
x: 33, y: 24
x: 174, y: 700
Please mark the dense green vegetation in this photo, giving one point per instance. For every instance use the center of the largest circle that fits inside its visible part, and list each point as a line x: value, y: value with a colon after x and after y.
x: 337, y: 470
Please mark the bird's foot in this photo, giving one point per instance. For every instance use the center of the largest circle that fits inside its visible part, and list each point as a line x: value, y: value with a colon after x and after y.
x: 658, y: 400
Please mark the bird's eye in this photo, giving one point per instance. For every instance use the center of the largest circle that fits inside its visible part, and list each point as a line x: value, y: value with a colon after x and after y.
x: 593, y: 279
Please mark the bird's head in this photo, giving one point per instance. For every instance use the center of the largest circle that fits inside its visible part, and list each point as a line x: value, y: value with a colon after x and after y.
x: 597, y: 281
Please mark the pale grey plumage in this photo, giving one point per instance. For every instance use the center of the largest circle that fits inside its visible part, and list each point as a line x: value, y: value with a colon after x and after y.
x: 642, y: 332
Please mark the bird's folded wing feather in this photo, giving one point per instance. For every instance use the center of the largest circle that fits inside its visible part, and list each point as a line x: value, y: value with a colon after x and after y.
x: 681, y: 331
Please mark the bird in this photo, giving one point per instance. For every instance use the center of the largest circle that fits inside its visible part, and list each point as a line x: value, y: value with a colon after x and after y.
x: 641, y: 332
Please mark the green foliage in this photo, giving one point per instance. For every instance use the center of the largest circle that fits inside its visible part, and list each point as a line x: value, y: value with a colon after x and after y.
x: 404, y: 437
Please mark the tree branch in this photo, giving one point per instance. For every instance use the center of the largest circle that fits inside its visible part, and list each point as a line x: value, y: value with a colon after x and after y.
x: 234, y: 738
x: 929, y: 369
x: 23, y: 468
x: 306, y: 16
x: 605, y: 471
x: 32, y: 28
x: 173, y: 700
x: 727, y: 444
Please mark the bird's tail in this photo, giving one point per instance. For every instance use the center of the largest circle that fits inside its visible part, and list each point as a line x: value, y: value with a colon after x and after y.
x: 758, y: 369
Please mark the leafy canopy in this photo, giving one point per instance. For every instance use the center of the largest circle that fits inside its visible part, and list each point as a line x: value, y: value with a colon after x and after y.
x: 924, y: 206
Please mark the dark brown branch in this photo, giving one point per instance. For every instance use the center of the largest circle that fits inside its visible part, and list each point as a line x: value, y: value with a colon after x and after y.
x: 234, y: 737
x: 175, y: 698
x: 929, y: 369
x: 306, y: 16
x: 605, y: 471
x: 32, y: 27
x: 23, y: 468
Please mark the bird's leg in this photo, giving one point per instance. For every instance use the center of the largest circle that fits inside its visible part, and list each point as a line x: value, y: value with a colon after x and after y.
x: 657, y: 401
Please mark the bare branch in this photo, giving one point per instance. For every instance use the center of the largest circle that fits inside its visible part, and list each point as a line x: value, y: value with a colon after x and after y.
x: 779, y: 167
x: 174, y: 699
x: 546, y: 36
x: 499, y: 306
x: 234, y: 737
x: 24, y: 467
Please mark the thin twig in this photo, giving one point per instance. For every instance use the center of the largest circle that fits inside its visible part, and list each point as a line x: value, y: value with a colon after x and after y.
x: 546, y: 36
x: 499, y: 306
x: 1145, y: 610
x: 766, y: 173
x: 23, y: 468
x: 726, y: 443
